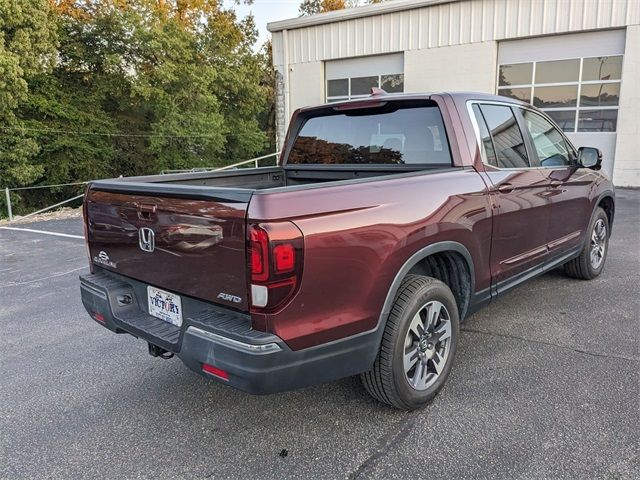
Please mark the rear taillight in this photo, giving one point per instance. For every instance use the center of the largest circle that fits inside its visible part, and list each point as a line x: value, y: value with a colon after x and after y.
x: 259, y: 255
x: 275, y: 262
x: 284, y: 258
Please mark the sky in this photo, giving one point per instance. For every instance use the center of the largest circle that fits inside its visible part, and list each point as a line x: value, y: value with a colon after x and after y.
x: 265, y: 11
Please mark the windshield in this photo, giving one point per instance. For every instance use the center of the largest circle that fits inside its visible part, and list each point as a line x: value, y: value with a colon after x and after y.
x: 392, y: 134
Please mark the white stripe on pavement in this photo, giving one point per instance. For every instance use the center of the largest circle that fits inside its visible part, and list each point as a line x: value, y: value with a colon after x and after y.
x: 43, y: 232
x: 59, y: 274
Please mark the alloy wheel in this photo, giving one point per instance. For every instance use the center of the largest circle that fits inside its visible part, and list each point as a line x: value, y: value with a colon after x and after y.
x: 427, y: 345
x: 598, y: 244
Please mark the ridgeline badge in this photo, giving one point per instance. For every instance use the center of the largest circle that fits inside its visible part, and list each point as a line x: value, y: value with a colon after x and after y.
x: 103, y: 259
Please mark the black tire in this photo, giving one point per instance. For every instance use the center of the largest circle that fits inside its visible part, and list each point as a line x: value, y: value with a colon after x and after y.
x: 582, y: 267
x: 387, y: 381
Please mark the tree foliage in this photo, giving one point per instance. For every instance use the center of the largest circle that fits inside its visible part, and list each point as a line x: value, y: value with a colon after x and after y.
x: 312, y: 7
x: 27, y: 49
x: 92, y: 89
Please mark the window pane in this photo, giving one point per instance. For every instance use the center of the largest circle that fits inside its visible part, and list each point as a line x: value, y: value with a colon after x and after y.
x: 558, y: 71
x: 552, y: 97
x: 516, y: 74
x: 549, y: 143
x: 523, y: 94
x: 363, y: 85
x: 487, y: 145
x: 385, y: 135
x: 565, y: 119
x: 602, y: 68
x: 597, y: 120
x: 507, y: 139
x: 338, y: 88
x: 392, y: 83
x: 600, y: 95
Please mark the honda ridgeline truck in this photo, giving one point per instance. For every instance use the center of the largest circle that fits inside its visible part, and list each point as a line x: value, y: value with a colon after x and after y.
x: 387, y: 222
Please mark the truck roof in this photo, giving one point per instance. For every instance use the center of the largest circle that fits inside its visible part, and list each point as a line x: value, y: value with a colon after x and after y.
x: 381, y: 95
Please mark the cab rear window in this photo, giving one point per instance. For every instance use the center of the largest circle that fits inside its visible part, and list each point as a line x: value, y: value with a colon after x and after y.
x: 394, y: 133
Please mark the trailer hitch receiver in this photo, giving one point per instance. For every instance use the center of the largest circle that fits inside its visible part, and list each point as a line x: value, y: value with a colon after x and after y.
x: 156, y: 351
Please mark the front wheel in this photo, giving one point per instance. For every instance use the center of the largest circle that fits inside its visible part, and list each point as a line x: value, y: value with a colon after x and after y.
x: 418, y: 345
x: 592, y: 258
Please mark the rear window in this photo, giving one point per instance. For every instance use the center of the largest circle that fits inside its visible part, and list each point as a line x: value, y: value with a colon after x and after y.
x: 389, y: 134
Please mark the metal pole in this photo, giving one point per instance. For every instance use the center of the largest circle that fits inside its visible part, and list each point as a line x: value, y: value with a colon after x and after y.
x: 252, y: 160
x: 255, y: 161
x: 53, y: 206
x: 6, y: 192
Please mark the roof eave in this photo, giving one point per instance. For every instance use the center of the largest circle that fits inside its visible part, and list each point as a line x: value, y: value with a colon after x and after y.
x: 351, y: 13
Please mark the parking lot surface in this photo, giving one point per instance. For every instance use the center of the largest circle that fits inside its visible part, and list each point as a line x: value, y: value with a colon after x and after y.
x: 546, y: 385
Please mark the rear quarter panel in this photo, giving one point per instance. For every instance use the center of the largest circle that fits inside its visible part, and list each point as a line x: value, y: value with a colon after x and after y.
x: 358, y: 236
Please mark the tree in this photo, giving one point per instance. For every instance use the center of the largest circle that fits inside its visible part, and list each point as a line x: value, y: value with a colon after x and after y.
x: 267, y: 118
x: 312, y: 7
x: 92, y: 89
x: 27, y: 48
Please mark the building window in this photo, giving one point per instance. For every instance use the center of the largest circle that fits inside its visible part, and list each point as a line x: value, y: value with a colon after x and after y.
x: 360, y: 87
x: 579, y: 94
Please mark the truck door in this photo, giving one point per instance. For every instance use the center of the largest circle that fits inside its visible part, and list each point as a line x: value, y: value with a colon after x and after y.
x: 519, y: 194
x: 568, y: 187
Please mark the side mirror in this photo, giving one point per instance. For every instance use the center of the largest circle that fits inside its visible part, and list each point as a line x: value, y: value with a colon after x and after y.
x: 589, y: 157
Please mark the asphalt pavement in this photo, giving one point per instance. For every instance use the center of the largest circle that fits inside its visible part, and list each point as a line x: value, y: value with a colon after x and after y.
x: 545, y: 385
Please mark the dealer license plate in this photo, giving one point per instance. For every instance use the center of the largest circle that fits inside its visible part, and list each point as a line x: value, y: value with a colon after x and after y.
x: 165, y: 306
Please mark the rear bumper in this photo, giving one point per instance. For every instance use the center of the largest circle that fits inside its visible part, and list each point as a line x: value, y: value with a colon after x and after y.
x: 255, y: 362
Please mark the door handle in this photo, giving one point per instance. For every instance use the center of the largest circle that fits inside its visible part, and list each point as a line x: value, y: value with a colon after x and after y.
x: 506, y: 188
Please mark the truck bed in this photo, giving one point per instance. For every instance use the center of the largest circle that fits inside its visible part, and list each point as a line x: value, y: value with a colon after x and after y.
x: 264, y: 178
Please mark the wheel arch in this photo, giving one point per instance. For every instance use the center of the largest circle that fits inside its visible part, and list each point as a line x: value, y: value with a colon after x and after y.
x: 607, y: 202
x: 414, y: 260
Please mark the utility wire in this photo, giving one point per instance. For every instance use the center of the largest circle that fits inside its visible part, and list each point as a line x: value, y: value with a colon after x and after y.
x: 108, y: 134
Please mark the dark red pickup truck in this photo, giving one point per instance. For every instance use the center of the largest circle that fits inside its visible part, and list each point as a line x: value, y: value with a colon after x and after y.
x: 387, y: 222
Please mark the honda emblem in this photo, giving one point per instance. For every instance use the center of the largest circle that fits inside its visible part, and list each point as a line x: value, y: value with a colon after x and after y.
x: 146, y: 239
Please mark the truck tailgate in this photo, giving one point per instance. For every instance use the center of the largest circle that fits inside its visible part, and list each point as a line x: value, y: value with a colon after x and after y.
x: 181, y: 241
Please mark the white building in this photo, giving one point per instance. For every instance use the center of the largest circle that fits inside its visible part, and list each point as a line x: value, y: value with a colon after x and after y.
x: 579, y: 60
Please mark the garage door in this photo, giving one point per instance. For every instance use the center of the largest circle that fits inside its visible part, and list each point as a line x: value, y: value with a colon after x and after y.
x: 574, y: 78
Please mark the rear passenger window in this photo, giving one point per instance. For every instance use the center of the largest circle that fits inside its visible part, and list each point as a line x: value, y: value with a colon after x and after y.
x: 485, y: 137
x: 508, y: 142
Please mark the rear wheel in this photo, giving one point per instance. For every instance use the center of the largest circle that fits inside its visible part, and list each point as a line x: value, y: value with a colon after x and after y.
x: 418, y: 345
x: 592, y: 258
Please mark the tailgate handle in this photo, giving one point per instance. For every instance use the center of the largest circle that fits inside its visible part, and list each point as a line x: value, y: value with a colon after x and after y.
x: 146, y: 210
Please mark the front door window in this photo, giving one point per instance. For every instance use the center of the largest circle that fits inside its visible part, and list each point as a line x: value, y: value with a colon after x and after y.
x: 549, y: 144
